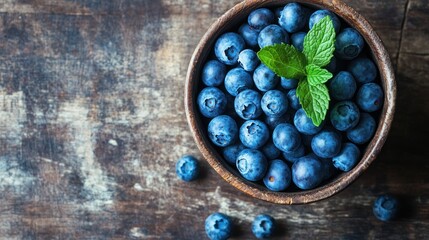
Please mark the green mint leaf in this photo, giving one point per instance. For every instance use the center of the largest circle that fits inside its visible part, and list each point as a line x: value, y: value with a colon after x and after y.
x: 314, y: 100
x: 319, y: 43
x: 317, y: 75
x: 284, y: 60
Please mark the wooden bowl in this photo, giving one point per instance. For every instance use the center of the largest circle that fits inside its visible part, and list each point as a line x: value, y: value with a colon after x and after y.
x: 231, y: 20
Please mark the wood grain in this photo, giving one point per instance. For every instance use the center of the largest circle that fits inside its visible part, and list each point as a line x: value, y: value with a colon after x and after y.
x: 92, y: 121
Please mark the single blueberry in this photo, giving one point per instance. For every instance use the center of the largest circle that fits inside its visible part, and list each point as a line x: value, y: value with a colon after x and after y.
x: 278, y: 177
x: 214, y: 73
x: 249, y: 34
x: 363, y: 69
x: 293, y: 99
x: 248, y: 60
x: 228, y: 46
x: 237, y: 80
x: 342, y: 86
x: 326, y: 144
x: 263, y: 226
x: 320, y: 14
x: 272, y: 122
x: 292, y: 156
x: 211, y: 102
x: 349, y: 44
x: 274, y: 103
x: 287, y: 83
x: 286, y: 137
x: 223, y: 131
x: 247, y: 104
x: 270, y: 150
x: 297, y: 40
x: 293, y: 17
x: 370, y: 97
x: 254, y: 134
x: 386, y: 207
x: 264, y: 78
x: 272, y: 34
x: 230, y: 153
x: 218, y: 226
x: 344, y: 115
x: 307, y: 172
x: 364, y: 131
x: 304, y: 124
x: 252, y: 164
x: 347, y: 158
x: 187, y: 168
x: 260, y: 18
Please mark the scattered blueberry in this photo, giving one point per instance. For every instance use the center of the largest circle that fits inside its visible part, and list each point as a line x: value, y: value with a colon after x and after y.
x: 286, y: 137
x: 349, y: 44
x: 223, y: 130
x: 218, y: 226
x: 237, y: 80
x: 347, y: 158
x: 264, y: 78
x: 272, y: 34
x: 320, y: 14
x: 386, y: 207
x: 364, y: 131
x: 252, y: 164
x: 263, y: 226
x: 211, y: 102
x: 248, y: 60
x: 187, y: 168
x: 248, y: 104
x: 231, y: 152
x: 370, y: 97
x: 326, y: 144
x: 260, y: 18
x: 307, y: 172
x: 293, y: 99
x: 214, y: 73
x: 304, y: 124
x: 287, y: 83
x: 274, y: 103
x: 249, y: 34
x: 254, y: 134
x: 344, y: 115
x: 342, y: 86
x: 293, y: 17
x: 363, y: 69
x: 297, y: 40
x: 228, y: 46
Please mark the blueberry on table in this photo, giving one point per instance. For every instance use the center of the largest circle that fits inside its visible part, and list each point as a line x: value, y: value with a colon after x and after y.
x: 228, y: 46
x: 342, y: 86
x: 320, y: 14
x: 293, y: 17
x: 237, y: 80
x: 231, y: 152
x: 264, y: 78
x: 304, y: 124
x: 294, y: 155
x: 307, y: 172
x: 363, y: 69
x: 211, y: 102
x: 247, y: 104
x: 274, y: 103
x: 272, y: 34
x: 252, y: 164
x: 248, y: 60
x: 254, y: 134
x: 288, y: 83
x: 263, y: 226
x: 293, y: 99
x: 260, y: 18
x: 249, y: 34
x: 270, y: 150
x: 278, y: 176
x: 187, y: 168
x: 286, y: 137
x: 326, y: 144
x: 347, y: 158
x: 297, y: 40
x: 223, y: 131
x: 385, y: 207
x: 370, y: 97
x: 364, y: 131
x: 214, y: 73
x: 349, y: 44
x: 218, y: 226
x: 344, y: 115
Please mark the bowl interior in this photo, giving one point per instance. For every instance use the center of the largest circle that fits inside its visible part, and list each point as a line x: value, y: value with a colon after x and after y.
x: 231, y: 21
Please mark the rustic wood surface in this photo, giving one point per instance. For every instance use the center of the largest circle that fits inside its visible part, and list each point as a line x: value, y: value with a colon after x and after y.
x: 92, y: 121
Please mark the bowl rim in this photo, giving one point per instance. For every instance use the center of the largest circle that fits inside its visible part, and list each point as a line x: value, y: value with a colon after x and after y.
x: 387, y: 77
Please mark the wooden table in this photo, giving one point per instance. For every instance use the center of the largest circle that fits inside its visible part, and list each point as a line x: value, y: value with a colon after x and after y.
x: 92, y: 122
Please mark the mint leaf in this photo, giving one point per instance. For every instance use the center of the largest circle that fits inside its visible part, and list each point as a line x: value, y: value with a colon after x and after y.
x: 284, y: 60
x: 319, y: 43
x: 314, y: 100
x: 317, y: 75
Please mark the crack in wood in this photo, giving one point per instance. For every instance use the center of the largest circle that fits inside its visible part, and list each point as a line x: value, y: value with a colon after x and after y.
x: 404, y: 21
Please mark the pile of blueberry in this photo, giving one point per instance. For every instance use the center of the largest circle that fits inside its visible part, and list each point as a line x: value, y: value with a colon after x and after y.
x: 255, y: 118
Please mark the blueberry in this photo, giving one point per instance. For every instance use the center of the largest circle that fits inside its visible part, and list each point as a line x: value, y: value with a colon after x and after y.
x: 260, y: 18
x: 247, y: 104
x: 364, y: 131
x: 187, y: 168
x: 264, y: 78
x: 287, y: 83
x: 385, y: 207
x: 293, y: 17
x: 213, y: 73
x: 263, y: 226
x: 293, y: 99
x: 278, y: 176
x: 250, y: 35
x: 363, y: 69
x: 254, y: 134
x: 218, y: 226
x: 286, y: 137
x: 344, y: 115
x: 228, y: 46
x: 248, y: 60
x: 326, y: 144
x: 320, y: 14
x: 231, y: 152
x: 328, y: 169
x: 272, y: 34
x: 347, y: 158
x: 342, y: 86
x: 211, y: 102
x: 252, y: 164
x: 272, y: 122
x: 304, y: 124
x: 294, y: 155
x: 237, y: 80
x: 297, y: 40
x: 348, y: 44
x: 370, y: 97
x: 307, y: 172
x: 332, y: 65
x: 223, y: 130
x: 274, y: 103
x: 270, y: 151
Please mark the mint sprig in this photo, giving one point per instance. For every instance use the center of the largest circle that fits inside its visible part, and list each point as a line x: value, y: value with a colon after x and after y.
x: 286, y: 61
